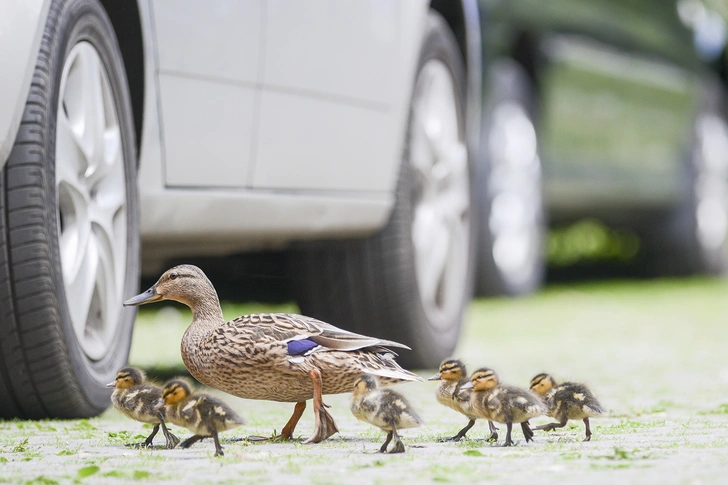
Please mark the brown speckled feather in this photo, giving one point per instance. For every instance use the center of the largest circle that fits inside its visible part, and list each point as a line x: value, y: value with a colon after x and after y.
x: 248, y: 357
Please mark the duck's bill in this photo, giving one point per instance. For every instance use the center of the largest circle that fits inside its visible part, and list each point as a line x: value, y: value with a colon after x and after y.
x: 111, y: 384
x: 159, y: 404
x: 148, y: 296
x: 436, y: 377
x: 467, y: 385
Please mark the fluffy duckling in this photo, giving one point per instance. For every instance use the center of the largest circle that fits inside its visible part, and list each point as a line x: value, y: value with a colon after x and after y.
x: 384, y: 408
x: 137, y: 400
x: 202, y: 414
x: 566, y: 401
x: 452, y: 375
x: 504, y: 404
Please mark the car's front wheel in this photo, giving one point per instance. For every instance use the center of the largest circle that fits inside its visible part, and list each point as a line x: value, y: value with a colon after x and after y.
x: 413, y: 280
x: 69, y: 231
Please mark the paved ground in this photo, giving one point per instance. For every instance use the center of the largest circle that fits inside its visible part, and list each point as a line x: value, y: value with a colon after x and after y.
x: 655, y: 354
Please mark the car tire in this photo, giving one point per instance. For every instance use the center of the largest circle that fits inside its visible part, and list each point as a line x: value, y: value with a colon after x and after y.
x: 692, y: 238
x: 69, y: 226
x: 509, y: 187
x: 412, y: 281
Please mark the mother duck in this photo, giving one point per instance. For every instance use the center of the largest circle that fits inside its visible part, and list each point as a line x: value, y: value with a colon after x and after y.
x: 272, y: 356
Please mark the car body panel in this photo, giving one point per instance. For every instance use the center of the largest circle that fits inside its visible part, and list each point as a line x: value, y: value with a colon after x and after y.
x: 21, y: 30
x: 619, y: 87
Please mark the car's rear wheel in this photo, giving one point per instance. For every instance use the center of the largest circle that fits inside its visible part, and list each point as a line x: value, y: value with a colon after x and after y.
x: 693, y: 237
x: 69, y: 231
x: 412, y: 281
x: 509, y: 179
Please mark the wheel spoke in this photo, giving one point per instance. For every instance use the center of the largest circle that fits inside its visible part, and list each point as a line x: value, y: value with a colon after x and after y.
x: 91, y: 188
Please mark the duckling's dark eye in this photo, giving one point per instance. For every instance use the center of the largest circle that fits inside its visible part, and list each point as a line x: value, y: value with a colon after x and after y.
x: 173, y: 276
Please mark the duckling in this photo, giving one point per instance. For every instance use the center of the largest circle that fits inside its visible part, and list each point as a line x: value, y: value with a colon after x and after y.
x: 202, y: 414
x: 384, y: 408
x: 452, y: 375
x: 566, y: 401
x: 137, y: 400
x: 502, y: 403
x: 305, y: 358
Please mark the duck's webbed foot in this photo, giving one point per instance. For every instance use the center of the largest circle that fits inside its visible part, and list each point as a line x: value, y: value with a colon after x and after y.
x: 383, y: 449
x: 398, y: 446
x: 508, y: 441
x: 191, y: 441
x: 218, y: 448
x: 551, y: 426
x: 324, y: 425
x: 588, y: 430
x: 148, y: 442
x: 289, y: 428
x: 527, y: 433
x: 493, y: 432
x: 172, y: 440
x: 461, y: 434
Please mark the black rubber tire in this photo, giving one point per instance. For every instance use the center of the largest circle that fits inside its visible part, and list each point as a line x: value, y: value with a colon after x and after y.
x: 671, y: 245
x: 370, y: 285
x: 506, y: 82
x: 43, y: 372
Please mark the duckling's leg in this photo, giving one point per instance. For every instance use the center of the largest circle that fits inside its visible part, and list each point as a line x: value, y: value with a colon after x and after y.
x: 324, y: 425
x: 553, y: 426
x: 383, y: 449
x: 493, y: 432
x: 461, y: 434
x: 150, y: 438
x: 172, y: 440
x: 287, y: 432
x: 588, y: 430
x: 190, y: 441
x: 218, y: 448
x: 398, y: 446
x: 508, y: 441
x: 527, y: 433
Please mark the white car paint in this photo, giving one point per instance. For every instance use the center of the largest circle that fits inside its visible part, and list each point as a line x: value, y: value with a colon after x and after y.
x: 21, y: 28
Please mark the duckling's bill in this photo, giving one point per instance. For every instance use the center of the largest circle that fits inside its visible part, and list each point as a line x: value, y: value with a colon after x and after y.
x: 148, y: 296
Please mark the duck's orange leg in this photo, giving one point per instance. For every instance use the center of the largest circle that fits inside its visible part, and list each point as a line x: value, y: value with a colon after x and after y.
x: 324, y: 425
x: 287, y: 432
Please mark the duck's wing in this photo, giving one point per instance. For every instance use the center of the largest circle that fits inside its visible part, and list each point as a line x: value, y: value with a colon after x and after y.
x: 288, y: 327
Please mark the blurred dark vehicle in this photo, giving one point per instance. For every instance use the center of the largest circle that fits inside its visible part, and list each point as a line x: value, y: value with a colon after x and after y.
x: 375, y: 161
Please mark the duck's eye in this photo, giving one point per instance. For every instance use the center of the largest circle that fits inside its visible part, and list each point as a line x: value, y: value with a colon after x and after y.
x: 173, y: 276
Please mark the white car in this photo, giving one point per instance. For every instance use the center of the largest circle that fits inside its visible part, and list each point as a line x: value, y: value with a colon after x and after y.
x: 137, y: 133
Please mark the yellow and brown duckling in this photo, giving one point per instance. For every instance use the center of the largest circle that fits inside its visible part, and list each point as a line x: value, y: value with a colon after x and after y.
x: 502, y: 403
x: 451, y: 376
x: 137, y: 400
x: 305, y: 358
x: 384, y: 408
x: 566, y: 401
x: 202, y: 414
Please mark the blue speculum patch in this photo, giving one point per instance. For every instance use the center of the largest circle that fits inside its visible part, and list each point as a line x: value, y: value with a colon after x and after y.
x: 300, y: 347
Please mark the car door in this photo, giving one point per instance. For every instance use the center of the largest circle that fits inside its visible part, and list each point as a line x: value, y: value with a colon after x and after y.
x: 209, y: 65
x: 335, y: 91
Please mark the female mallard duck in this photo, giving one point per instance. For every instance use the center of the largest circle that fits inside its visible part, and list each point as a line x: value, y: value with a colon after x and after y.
x: 202, y: 414
x: 137, y: 400
x: 384, y: 408
x: 566, y: 401
x: 452, y: 375
x: 272, y: 356
x: 504, y: 404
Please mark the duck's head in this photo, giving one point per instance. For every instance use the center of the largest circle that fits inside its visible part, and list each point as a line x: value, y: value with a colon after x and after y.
x: 184, y: 283
x: 450, y: 370
x: 127, y: 377
x: 174, y: 391
x: 482, y: 380
x: 365, y: 383
x: 542, y: 383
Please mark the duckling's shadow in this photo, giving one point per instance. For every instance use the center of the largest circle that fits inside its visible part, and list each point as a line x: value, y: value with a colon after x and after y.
x: 142, y: 446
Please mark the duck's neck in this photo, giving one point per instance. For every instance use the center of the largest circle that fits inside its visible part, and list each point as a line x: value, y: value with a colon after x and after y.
x: 206, y: 314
